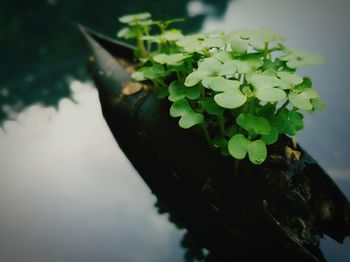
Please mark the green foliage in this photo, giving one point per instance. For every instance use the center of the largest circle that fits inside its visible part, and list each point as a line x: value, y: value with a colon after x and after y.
x: 240, y: 87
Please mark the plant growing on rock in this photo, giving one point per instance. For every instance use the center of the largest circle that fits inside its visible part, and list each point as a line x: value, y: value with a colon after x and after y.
x: 241, y: 87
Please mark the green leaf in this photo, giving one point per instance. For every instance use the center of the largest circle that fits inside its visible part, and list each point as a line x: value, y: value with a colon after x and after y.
x: 271, y: 137
x: 127, y: 33
x: 253, y: 124
x: 195, y: 77
x: 303, y: 100
x: 127, y: 19
x: 210, y: 65
x: 206, y: 80
x: 239, y: 45
x: 180, y: 108
x: 190, y: 119
x: 257, y: 152
x: 296, y: 119
x: 279, y: 122
x: 179, y: 91
x: 238, y: 146
x: 290, y: 78
x: 294, y: 122
x: 228, y: 69
x: 138, y: 76
x: 266, y: 88
x: 299, y: 58
x: 223, y: 56
x: 248, y: 63
x: 172, y: 35
x: 230, y: 99
x: 220, y: 84
x: 212, y: 42
x: 209, y: 105
x: 270, y: 94
x: 173, y: 59
x: 153, y: 72
x: 318, y: 104
x: 260, y: 81
x: 189, y: 44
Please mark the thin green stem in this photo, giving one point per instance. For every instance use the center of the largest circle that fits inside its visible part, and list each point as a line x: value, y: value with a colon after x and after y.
x: 221, y: 121
x: 206, y: 133
x: 294, y: 142
x: 266, y: 50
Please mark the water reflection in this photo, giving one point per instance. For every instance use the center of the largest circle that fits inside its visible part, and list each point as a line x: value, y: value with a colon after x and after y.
x: 68, y: 194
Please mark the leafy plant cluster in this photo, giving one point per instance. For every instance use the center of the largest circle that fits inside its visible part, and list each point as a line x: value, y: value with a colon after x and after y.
x: 240, y: 87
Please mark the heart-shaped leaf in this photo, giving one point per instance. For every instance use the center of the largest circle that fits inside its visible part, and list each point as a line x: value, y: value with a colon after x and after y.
x: 238, y: 146
x: 195, y: 77
x: 127, y: 19
x: 271, y: 137
x: 230, y: 99
x: 190, y: 119
x: 257, y: 152
x: 209, y: 105
x: 220, y: 84
x: 179, y: 91
x: 290, y: 78
x: 180, y: 108
x: 270, y: 94
x: 253, y: 124
x: 303, y: 100
x: 211, y: 65
x: 299, y: 58
x: 173, y: 59
x: 228, y: 69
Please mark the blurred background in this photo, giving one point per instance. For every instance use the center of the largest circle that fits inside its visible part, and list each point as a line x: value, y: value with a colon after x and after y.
x: 67, y: 192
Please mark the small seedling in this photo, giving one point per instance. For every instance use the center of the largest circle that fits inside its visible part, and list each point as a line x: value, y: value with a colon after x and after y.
x: 240, y: 87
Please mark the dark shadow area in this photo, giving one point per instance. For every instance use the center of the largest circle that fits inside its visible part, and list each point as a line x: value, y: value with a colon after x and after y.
x: 41, y: 46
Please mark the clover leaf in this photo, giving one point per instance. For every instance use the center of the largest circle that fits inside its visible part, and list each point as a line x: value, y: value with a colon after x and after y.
x: 266, y: 88
x: 239, y: 146
x: 127, y: 33
x: 289, y: 80
x: 239, y: 44
x: 260, y: 37
x: 271, y: 137
x: 211, y: 107
x: 303, y: 100
x: 299, y: 58
x: 248, y: 63
x: 294, y: 122
x: 220, y: 84
x: 253, y: 124
x: 152, y: 72
x: 181, y: 108
x: 178, y: 91
x: 129, y: 19
x: 208, y: 67
x: 257, y: 152
x: 199, y: 42
x: 231, y: 97
x: 173, y: 59
x: 228, y: 68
